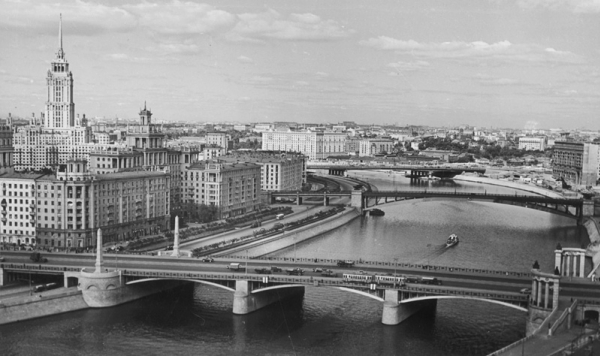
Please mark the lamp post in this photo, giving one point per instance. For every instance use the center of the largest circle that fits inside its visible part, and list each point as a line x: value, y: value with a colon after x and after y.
x: 246, y: 261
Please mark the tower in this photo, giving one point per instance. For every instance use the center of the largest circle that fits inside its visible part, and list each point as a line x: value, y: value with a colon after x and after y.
x: 60, y: 109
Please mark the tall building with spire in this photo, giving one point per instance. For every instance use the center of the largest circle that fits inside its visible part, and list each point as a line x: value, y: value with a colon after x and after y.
x: 60, y: 136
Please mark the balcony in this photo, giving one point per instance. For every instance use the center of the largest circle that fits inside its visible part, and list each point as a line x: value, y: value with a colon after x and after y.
x: 3, y: 204
x: 4, y: 220
x: 3, y: 212
x: 32, y: 221
x: 32, y: 205
x: 32, y: 213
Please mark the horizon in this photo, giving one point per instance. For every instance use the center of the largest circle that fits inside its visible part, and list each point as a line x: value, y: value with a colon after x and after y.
x: 520, y: 64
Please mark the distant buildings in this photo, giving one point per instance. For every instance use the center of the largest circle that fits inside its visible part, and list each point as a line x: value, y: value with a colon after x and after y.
x: 313, y: 144
x: 533, y: 143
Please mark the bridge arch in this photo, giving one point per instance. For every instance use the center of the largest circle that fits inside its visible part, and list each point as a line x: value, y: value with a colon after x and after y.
x: 365, y: 294
x: 182, y: 279
x: 514, y: 306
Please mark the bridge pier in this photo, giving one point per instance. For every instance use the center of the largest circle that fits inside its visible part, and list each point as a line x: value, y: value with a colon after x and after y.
x: 394, y: 313
x: 245, y: 300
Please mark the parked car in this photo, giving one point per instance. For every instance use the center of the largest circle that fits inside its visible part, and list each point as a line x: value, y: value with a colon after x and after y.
x: 276, y: 269
x: 262, y: 270
x: 37, y: 257
x: 208, y: 259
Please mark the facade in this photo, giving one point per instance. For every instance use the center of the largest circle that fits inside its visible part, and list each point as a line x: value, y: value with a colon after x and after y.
x: 279, y: 171
x: 6, y: 149
x: 373, y: 146
x: 233, y: 187
x: 218, y: 139
x: 313, y: 144
x: 533, y: 143
x: 17, y: 208
x: 576, y: 162
x: 73, y: 204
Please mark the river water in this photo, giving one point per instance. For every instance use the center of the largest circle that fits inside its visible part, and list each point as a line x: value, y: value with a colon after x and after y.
x: 329, y: 321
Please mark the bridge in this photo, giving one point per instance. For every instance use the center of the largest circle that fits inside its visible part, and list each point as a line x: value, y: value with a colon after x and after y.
x: 137, y: 276
x: 412, y: 171
x: 362, y: 199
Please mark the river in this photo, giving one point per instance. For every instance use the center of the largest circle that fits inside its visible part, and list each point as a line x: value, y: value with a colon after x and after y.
x: 329, y: 321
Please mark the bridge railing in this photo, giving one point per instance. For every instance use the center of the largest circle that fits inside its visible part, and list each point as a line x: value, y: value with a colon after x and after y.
x: 390, y: 265
x: 562, y: 318
x: 33, y: 267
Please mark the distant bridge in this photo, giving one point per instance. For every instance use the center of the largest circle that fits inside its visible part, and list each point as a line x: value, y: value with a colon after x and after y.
x: 572, y: 208
x: 413, y: 171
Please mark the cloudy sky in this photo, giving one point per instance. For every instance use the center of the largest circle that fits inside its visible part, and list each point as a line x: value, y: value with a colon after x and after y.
x: 487, y: 63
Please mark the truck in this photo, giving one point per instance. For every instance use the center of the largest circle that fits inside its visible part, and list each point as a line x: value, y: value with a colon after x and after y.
x: 236, y: 267
x: 345, y: 263
x: 37, y: 257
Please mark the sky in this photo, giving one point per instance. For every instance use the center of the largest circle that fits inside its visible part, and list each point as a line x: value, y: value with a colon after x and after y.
x: 484, y: 63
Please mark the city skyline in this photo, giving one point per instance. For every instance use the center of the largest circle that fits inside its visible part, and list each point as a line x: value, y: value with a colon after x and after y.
x: 521, y: 64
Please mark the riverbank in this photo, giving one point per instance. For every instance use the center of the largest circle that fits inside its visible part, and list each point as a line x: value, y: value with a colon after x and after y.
x: 41, y: 304
x: 304, y: 233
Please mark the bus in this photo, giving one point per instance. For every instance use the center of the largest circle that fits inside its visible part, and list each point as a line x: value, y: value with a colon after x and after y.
x: 279, y: 216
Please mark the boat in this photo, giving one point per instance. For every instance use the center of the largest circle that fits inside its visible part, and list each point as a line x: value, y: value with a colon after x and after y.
x: 376, y: 212
x: 452, y: 240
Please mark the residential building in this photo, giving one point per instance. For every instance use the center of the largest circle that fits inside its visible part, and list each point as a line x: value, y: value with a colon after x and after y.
x: 373, y: 146
x: 313, y: 144
x: 233, y: 187
x: 576, y: 162
x: 280, y: 171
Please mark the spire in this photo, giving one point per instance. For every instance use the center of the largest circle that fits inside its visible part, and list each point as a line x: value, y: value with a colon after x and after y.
x: 60, y: 54
x: 144, y: 105
x: 60, y: 32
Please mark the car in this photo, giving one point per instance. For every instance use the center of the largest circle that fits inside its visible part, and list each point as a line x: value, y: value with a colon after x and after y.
x: 276, y: 269
x: 525, y: 291
x: 262, y: 270
x: 295, y: 271
x: 208, y: 259
x: 317, y: 270
x: 328, y: 273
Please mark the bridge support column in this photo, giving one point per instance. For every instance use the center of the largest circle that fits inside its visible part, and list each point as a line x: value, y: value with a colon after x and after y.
x: 298, y: 200
x: 356, y: 200
x: 326, y: 201
x: 394, y: 313
x: 3, y: 277
x: 244, y: 301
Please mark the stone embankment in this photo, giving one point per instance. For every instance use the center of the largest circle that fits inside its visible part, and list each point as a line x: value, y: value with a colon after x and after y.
x: 283, y: 240
x: 42, y: 304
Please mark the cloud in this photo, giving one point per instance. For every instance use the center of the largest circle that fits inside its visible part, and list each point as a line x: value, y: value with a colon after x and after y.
x: 87, y: 18
x: 245, y: 59
x: 122, y: 57
x: 258, y: 27
x: 488, y: 80
x: 408, y: 66
x: 180, y: 17
x: 576, y: 6
x: 503, y: 50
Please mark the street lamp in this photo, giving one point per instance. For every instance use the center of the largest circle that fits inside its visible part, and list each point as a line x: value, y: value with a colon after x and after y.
x: 246, y: 261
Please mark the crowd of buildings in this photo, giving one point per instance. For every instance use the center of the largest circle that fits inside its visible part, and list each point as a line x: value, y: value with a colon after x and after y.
x: 64, y: 176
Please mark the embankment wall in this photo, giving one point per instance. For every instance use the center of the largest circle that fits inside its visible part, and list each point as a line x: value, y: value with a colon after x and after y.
x: 40, y: 305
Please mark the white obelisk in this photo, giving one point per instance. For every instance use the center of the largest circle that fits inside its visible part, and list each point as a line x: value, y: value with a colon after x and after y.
x: 176, y: 242
x: 99, y: 259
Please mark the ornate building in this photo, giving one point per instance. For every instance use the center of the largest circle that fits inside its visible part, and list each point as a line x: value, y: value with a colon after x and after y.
x: 58, y: 135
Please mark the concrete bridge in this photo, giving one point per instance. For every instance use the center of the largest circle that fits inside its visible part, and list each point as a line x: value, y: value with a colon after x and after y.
x: 253, y: 291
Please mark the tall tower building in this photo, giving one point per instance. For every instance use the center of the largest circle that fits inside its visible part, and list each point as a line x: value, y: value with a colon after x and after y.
x: 60, y: 109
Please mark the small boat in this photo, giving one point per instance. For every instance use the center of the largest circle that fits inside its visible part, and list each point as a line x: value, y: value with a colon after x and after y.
x: 452, y: 240
x: 376, y: 212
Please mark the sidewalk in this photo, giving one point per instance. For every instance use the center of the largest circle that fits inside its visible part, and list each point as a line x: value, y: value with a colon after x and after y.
x: 542, y: 345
